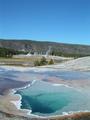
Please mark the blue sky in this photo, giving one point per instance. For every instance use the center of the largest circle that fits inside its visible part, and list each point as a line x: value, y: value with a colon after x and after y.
x: 66, y: 21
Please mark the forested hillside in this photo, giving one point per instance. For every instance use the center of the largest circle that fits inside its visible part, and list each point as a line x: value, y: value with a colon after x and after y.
x: 60, y: 49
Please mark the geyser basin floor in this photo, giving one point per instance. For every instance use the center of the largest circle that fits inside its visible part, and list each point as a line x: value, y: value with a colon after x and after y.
x: 46, y: 96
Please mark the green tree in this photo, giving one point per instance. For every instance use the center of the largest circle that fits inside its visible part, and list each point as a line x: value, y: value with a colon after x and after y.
x: 51, y: 61
x: 43, y: 61
x: 36, y: 63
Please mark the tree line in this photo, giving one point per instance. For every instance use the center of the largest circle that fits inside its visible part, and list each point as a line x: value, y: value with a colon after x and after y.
x: 8, y: 53
x: 63, y: 54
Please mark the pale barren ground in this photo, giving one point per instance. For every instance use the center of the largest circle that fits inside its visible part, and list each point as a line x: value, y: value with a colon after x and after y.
x: 80, y: 64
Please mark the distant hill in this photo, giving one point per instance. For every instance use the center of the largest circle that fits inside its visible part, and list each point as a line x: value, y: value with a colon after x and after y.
x: 41, y: 47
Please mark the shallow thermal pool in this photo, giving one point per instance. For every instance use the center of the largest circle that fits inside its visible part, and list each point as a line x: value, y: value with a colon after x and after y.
x: 43, y: 96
